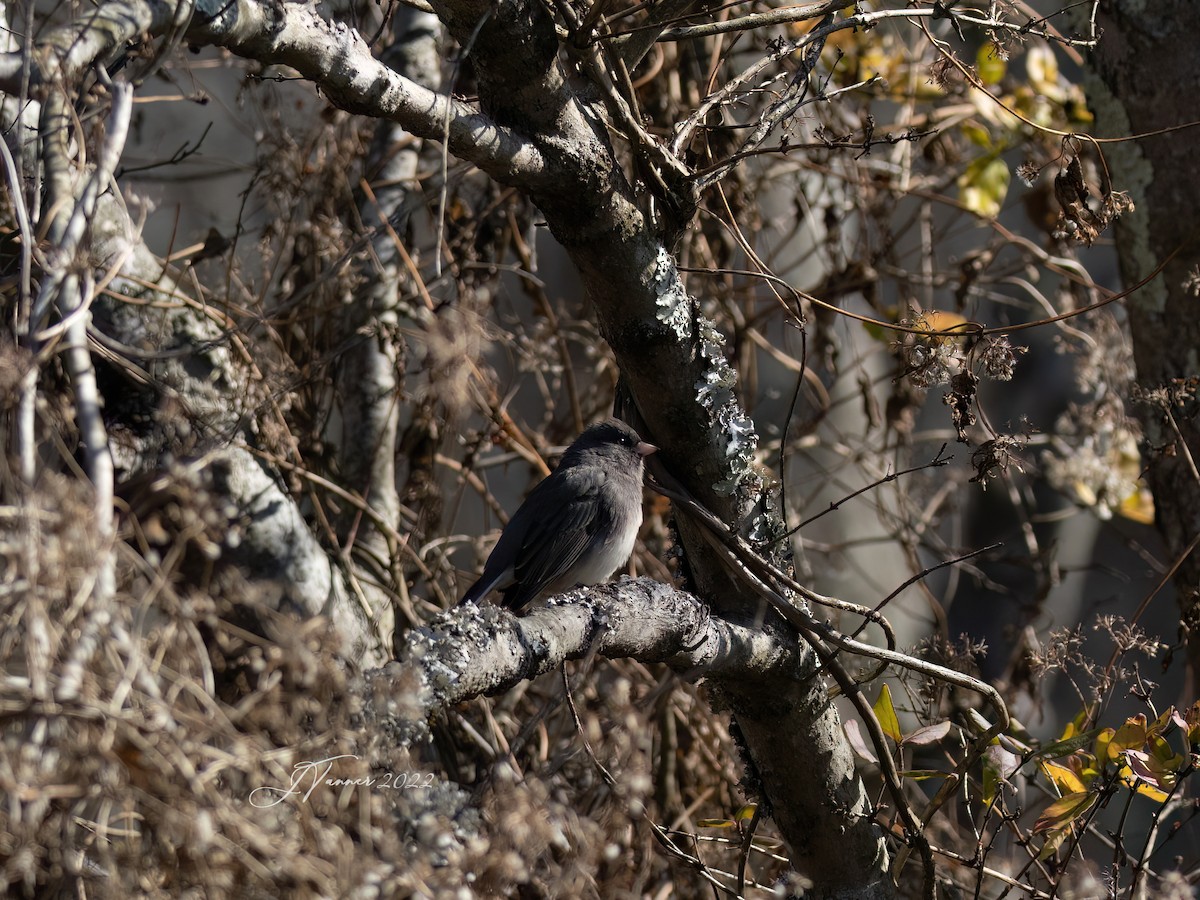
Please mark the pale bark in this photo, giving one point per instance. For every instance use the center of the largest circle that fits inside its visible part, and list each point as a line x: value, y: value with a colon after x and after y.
x: 472, y: 651
x: 368, y: 382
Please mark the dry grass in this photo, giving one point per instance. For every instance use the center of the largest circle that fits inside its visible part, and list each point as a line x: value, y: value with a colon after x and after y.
x: 135, y: 777
x: 158, y: 768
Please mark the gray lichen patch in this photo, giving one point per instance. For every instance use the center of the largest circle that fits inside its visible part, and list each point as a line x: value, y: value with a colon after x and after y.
x: 674, y: 305
x: 715, y: 389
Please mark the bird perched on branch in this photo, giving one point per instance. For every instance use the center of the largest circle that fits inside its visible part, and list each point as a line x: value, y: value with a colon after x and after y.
x: 577, y: 526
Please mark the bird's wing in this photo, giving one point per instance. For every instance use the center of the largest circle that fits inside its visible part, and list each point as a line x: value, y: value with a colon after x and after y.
x: 555, y: 537
x: 498, y: 571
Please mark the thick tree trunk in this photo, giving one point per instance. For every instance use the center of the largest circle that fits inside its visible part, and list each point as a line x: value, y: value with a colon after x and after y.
x: 540, y: 135
x: 796, y: 750
x: 1149, y: 78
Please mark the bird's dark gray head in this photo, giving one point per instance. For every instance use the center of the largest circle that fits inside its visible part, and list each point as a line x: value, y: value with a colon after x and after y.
x: 613, y: 439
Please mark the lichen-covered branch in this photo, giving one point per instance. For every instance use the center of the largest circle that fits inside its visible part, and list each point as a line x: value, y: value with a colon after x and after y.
x: 473, y: 651
x: 336, y: 59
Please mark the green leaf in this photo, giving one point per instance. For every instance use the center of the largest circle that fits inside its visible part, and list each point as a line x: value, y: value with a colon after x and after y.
x: 983, y: 187
x: 991, y: 782
x: 885, y: 712
x: 877, y: 332
x: 998, y: 766
x: 922, y: 774
x: 990, y: 65
x: 1066, y: 747
x: 977, y: 134
x: 1053, y: 842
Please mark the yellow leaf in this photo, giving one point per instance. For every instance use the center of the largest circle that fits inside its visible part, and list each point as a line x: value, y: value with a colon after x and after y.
x: 994, y: 113
x: 1162, y: 723
x: 983, y: 187
x: 977, y: 134
x: 745, y: 814
x: 1148, y: 790
x: 1139, y: 506
x: 1140, y: 786
x: 1075, y: 726
x: 885, y: 712
x: 990, y: 66
x: 1033, y: 106
x: 1130, y: 736
x: 942, y: 321
x: 1063, y: 778
x: 1084, y: 493
x: 1041, y: 66
x: 945, y: 328
x: 1075, y: 107
x: 1063, y: 812
x: 1192, y: 719
x: 874, y: 61
x: 1164, y: 758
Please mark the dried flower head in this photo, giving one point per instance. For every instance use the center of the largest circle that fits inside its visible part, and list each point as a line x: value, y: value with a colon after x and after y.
x: 997, y: 357
x: 994, y: 458
x: 1028, y: 172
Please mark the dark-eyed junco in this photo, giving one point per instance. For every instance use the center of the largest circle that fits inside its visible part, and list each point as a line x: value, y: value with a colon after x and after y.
x: 577, y: 526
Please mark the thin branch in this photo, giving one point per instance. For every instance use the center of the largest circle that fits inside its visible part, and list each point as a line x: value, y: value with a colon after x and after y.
x: 937, y: 462
x: 975, y: 82
x: 783, y: 50
x: 756, y: 562
x: 789, y: 14
x: 814, y: 634
x: 68, y: 219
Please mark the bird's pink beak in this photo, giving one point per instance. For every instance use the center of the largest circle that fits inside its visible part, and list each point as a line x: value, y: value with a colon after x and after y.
x: 644, y: 449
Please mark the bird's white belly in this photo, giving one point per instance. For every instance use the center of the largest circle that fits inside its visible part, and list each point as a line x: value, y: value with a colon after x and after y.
x: 607, y: 558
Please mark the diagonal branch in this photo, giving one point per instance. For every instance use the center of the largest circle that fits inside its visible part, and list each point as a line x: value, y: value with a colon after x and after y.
x: 333, y: 55
x: 336, y: 58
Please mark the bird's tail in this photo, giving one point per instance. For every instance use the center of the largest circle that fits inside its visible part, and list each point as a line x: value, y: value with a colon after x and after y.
x: 475, y: 592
